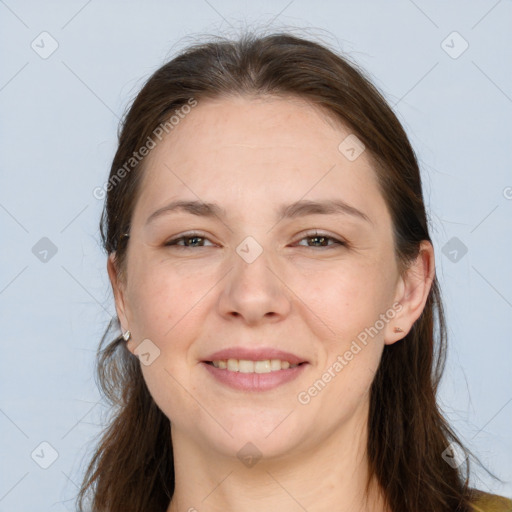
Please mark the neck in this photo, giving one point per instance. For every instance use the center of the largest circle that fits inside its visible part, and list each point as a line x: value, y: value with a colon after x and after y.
x: 332, y: 476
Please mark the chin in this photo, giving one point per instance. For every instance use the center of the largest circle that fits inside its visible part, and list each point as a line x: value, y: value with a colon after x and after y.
x: 250, y: 447
x: 267, y: 436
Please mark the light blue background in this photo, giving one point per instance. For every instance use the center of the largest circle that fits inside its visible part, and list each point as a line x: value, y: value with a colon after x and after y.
x: 58, y: 127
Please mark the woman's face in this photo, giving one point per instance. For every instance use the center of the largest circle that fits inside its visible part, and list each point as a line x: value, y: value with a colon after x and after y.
x: 254, y: 276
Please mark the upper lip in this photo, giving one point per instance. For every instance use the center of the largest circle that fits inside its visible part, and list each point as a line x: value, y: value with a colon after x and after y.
x: 255, y: 354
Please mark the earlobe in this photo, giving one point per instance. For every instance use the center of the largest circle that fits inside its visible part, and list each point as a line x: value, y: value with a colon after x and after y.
x: 412, y: 292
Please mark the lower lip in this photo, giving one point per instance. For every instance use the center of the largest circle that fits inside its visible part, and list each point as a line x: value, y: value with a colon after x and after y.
x: 255, y: 381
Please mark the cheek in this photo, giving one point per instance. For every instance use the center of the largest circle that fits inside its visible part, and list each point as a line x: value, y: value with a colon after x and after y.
x: 349, y: 303
x: 165, y: 297
x: 350, y: 388
x: 167, y: 304
x: 346, y: 298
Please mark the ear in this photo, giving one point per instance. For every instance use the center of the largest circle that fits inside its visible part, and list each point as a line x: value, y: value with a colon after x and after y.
x: 118, y: 288
x: 412, y: 292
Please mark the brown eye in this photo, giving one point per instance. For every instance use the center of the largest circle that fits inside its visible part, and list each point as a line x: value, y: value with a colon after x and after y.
x: 187, y: 241
x: 320, y: 240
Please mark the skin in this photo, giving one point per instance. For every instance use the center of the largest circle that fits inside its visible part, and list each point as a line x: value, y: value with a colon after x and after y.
x: 250, y: 155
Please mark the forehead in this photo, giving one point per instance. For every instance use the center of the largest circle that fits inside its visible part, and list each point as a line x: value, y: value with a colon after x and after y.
x: 259, y: 123
x: 257, y: 149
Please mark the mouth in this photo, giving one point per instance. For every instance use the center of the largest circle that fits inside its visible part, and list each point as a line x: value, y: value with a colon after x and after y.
x: 254, y: 368
x: 250, y: 366
x: 254, y: 376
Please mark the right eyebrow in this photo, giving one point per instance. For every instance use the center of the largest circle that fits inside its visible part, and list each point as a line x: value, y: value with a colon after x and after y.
x: 199, y: 208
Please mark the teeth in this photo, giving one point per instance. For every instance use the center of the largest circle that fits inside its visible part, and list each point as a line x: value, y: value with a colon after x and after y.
x: 232, y: 365
x: 262, y: 366
x: 247, y: 366
x: 275, y: 364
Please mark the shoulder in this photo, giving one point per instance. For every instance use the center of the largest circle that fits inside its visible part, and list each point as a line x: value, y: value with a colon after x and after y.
x: 485, y: 502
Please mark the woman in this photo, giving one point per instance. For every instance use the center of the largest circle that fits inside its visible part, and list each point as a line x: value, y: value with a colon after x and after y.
x: 275, y: 287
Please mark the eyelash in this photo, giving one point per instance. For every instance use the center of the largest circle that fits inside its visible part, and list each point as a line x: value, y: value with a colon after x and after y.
x: 315, y: 234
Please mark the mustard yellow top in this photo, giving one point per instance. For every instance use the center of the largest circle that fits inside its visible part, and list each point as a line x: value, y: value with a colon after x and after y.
x: 485, y: 502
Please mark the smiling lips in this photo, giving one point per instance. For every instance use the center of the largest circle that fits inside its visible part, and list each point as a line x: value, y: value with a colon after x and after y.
x: 248, y: 366
x: 263, y: 354
x: 254, y: 369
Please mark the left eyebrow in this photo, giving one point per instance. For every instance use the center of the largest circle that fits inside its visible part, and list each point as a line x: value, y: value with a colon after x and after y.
x: 325, y: 207
x: 297, y: 209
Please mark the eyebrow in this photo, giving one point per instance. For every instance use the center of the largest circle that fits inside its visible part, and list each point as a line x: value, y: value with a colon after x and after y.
x: 300, y: 208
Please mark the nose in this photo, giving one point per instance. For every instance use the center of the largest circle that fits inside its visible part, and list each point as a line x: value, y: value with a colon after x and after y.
x: 254, y: 292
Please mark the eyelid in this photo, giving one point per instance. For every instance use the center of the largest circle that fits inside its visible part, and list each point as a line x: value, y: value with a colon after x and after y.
x: 338, y: 241
x: 189, y: 234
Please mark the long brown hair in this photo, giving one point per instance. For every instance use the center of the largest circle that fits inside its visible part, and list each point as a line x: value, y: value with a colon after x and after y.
x: 132, y: 468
